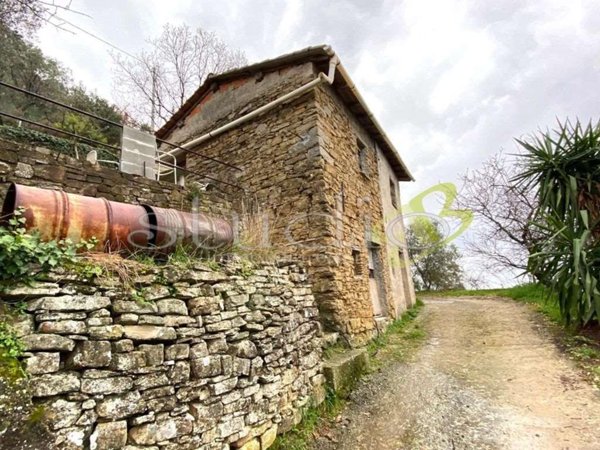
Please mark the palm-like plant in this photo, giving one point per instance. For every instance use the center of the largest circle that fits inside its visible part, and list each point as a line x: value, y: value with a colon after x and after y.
x: 564, y: 167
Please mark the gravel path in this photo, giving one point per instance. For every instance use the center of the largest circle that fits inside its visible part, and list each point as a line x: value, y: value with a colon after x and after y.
x: 489, y: 376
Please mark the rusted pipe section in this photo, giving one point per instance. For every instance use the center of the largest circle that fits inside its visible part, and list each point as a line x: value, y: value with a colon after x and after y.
x: 117, y: 226
x: 172, y: 228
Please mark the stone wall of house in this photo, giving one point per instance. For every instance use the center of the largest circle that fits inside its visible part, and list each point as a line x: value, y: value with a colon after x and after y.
x: 354, y: 194
x: 196, y: 358
x: 300, y: 167
x: 282, y: 165
x: 40, y: 167
x: 231, y: 99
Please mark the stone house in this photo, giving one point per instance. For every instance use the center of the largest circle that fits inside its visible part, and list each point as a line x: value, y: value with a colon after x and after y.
x: 313, y: 157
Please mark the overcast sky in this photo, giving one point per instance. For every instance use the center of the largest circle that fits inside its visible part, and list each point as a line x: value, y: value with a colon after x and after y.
x: 451, y: 82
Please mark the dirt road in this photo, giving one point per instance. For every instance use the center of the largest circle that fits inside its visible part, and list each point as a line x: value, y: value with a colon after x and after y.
x: 489, y: 376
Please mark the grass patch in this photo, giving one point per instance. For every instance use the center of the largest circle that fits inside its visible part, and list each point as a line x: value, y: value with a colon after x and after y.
x: 399, y: 339
x: 301, y: 436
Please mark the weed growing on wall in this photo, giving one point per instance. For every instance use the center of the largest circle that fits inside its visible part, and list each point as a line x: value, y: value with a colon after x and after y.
x: 24, y: 255
x: 11, y: 349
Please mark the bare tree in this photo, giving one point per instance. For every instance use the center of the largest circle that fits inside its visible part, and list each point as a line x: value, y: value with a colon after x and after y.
x: 25, y: 17
x: 502, y: 235
x: 154, y: 84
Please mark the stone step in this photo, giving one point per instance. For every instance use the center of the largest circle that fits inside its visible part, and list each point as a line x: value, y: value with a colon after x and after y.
x: 343, y: 370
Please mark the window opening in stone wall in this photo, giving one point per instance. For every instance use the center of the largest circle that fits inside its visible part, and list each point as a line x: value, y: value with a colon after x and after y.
x: 357, y: 262
x: 362, y: 157
x: 393, y: 193
x: 371, y: 263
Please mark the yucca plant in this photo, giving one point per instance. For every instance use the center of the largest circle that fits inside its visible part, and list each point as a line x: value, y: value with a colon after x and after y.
x: 564, y: 167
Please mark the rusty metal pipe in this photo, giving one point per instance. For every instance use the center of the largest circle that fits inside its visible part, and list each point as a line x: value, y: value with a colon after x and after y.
x: 171, y: 228
x: 118, y: 226
x: 56, y: 215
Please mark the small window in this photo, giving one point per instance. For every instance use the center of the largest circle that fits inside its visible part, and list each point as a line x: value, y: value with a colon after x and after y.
x: 357, y: 262
x: 371, y: 263
x: 393, y: 193
x: 362, y: 157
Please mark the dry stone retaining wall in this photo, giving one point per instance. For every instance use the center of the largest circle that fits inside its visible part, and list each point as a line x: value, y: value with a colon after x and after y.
x: 195, y: 359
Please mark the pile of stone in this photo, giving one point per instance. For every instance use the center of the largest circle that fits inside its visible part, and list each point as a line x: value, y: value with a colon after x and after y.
x: 192, y: 359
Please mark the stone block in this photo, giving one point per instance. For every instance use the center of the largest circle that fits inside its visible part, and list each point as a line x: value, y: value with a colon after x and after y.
x: 230, y: 426
x: 121, y: 406
x: 150, y: 319
x: 54, y: 384
x: 244, y: 349
x: 149, y: 333
x: 22, y: 325
x: 68, y: 303
x: 223, y: 386
x: 123, y: 346
x: 105, y: 386
x: 177, y: 352
x: 128, y: 361
x: 109, y: 436
x: 217, y: 345
x: 24, y: 170
x: 155, y: 354
x: 38, y: 289
x: 199, y: 350
x: 42, y: 362
x: 124, y: 306
x: 209, y: 366
x: 180, y: 372
x: 98, y: 321
x: 172, y: 306
x: 162, y: 430
x: 345, y: 369
x: 110, y: 332
x: 151, y: 380
x: 90, y: 354
x: 34, y: 342
x: 128, y: 319
x: 268, y: 437
x: 60, y: 413
x: 204, y: 305
x: 253, y: 444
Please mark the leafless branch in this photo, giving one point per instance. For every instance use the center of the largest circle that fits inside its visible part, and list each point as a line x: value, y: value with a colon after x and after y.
x: 154, y: 84
x: 502, y: 234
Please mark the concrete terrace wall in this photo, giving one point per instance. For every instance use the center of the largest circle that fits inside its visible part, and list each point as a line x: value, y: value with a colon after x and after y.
x: 208, y: 360
x: 40, y: 167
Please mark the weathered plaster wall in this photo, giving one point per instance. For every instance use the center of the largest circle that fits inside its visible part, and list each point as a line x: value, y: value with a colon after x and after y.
x: 208, y: 360
x: 402, y: 291
x: 37, y: 166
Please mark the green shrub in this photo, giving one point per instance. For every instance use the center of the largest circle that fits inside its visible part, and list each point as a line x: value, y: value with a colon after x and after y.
x: 23, y: 255
x: 563, y: 167
x: 11, y: 349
